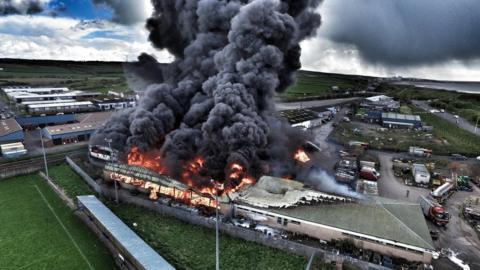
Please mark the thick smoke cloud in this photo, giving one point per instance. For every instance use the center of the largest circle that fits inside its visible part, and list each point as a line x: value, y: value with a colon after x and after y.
x: 126, y: 11
x: 22, y: 6
x: 407, y: 32
x: 216, y: 99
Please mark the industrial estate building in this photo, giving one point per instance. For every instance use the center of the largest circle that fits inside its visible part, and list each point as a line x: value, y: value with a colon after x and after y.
x: 10, y: 131
x: 51, y: 100
x: 380, y: 103
x: 76, y: 132
x: 397, y: 120
x: 305, y: 118
x: 394, y: 228
x: 390, y: 227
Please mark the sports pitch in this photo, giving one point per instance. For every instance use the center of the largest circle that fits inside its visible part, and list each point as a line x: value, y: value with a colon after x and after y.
x: 37, y: 230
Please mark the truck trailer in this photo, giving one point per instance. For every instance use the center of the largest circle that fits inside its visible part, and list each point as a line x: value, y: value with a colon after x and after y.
x: 420, y: 174
x: 443, y: 192
x: 434, y: 211
x: 419, y: 152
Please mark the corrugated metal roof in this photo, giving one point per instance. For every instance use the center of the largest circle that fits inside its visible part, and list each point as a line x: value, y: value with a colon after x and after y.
x: 133, y: 244
x: 383, y: 218
x: 9, y: 126
x: 82, y: 103
x: 398, y: 116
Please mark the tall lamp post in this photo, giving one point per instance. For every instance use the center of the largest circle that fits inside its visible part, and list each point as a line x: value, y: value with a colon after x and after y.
x: 43, y: 151
x: 109, y: 141
x: 217, y: 235
x: 476, y: 125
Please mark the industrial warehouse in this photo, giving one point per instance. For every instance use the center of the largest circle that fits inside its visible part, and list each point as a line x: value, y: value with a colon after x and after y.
x: 292, y: 207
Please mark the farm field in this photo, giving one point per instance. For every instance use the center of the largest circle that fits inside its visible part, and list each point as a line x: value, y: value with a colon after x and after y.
x: 316, y: 84
x: 88, y: 76
x: 39, y: 232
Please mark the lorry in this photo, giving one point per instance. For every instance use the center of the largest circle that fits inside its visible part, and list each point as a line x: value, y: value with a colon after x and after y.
x: 366, y: 163
x: 419, y: 152
x: 443, y: 192
x: 463, y: 183
x: 420, y: 173
x: 369, y: 173
x: 434, y: 211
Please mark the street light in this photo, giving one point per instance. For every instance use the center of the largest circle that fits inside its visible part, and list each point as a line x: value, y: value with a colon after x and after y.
x: 217, y: 236
x: 476, y: 125
x: 109, y: 141
x: 44, y: 155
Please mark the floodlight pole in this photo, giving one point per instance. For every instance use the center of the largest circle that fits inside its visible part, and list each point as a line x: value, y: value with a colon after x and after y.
x: 44, y: 155
x: 109, y: 141
x: 476, y: 125
x: 217, y: 236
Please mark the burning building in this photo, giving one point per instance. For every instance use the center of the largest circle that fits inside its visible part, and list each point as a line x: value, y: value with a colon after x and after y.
x: 210, y: 113
x: 389, y: 227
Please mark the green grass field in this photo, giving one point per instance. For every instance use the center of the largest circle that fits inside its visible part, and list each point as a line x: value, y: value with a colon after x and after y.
x: 69, y: 181
x: 315, y: 84
x: 39, y: 232
x: 89, y: 76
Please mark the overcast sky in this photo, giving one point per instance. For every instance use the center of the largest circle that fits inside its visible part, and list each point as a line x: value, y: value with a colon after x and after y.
x: 416, y: 38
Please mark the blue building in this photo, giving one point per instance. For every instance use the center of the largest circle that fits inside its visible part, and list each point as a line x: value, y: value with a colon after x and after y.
x: 10, y: 131
x: 31, y: 122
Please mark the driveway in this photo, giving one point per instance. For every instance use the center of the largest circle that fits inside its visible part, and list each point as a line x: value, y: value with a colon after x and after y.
x: 457, y: 236
x: 462, y: 123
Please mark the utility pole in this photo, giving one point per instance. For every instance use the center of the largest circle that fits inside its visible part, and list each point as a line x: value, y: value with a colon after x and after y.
x: 476, y: 125
x: 217, y: 235
x: 109, y: 141
x: 44, y: 155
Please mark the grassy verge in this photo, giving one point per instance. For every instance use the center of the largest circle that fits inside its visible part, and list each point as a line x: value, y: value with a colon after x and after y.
x: 459, y: 140
x: 39, y: 232
x: 69, y: 181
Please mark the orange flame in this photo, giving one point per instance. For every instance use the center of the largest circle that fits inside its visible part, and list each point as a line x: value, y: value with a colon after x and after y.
x: 301, y: 156
x: 146, y: 160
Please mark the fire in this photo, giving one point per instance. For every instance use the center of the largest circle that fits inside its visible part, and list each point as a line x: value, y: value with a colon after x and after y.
x: 301, y: 156
x: 146, y: 160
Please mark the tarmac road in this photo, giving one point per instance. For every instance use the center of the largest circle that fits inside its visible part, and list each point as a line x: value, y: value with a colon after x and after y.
x: 462, y: 123
x: 457, y: 236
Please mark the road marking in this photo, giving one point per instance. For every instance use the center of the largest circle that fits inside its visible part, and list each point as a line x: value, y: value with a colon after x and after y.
x: 64, y: 228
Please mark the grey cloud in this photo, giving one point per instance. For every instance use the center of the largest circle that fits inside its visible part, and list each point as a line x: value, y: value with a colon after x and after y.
x: 21, y: 7
x: 125, y: 11
x: 406, y: 32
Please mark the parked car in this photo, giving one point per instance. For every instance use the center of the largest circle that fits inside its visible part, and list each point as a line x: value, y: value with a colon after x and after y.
x: 387, y: 262
x: 242, y: 223
x: 478, y: 158
x: 267, y: 230
x: 458, y: 157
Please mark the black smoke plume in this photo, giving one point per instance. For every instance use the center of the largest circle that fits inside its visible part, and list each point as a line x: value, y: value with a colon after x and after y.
x: 21, y: 6
x: 216, y: 99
